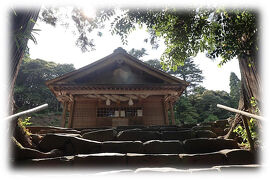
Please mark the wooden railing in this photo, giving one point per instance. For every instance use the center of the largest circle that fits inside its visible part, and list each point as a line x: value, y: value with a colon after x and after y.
x: 36, y: 109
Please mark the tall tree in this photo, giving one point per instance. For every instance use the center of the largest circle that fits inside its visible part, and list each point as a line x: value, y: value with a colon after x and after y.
x: 189, y: 72
x: 30, y: 89
x: 205, y: 102
x: 235, y: 86
x: 22, y: 23
x: 137, y: 53
x: 220, y: 32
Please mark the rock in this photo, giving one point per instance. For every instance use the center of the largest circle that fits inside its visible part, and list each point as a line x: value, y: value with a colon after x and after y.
x: 101, y: 160
x: 218, y: 131
x: 163, y: 147
x: 116, y: 172
x: 100, y: 135
x: 137, y: 135
x: 196, y: 128
x: 83, y: 131
x: 64, y: 131
x: 153, y: 160
x: 83, y: 146
x: 21, y: 153
x: 70, y: 135
x: 122, y: 146
x: 203, y: 160
x: 177, y: 135
x: 124, y: 128
x: 188, y: 125
x: 69, y: 144
x: 49, y: 163
x: 207, y: 145
x: 36, y: 138
x: 160, y: 170
x: 207, y: 124
x: 238, y: 168
x: 52, y: 141
x: 222, y: 123
x: 169, y: 128
x: 238, y: 156
x: 205, y: 134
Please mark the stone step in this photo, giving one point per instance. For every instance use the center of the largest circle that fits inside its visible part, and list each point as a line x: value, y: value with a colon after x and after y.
x: 122, y: 147
x: 71, y: 145
x: 135, y: 160
x: 146, y: 135
x: 138, y: 135
x: 101, y: 135
x: 163, y: 147
x: 68, y: 144
x: 206, y: 145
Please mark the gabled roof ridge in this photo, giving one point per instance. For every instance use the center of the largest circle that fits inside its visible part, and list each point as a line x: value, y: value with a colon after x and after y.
x: 119, y: 50
x: 157, y: 70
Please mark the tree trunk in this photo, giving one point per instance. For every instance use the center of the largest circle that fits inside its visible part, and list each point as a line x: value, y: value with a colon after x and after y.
x: 22, y: 25
x: 250, y: 87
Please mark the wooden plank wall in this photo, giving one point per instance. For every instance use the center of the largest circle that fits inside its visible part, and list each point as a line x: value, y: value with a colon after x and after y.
x: 84, y: 114
x: 153, y: 113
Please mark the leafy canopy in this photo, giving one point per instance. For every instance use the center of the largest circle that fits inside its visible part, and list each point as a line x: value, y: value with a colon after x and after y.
x: 220, y: 32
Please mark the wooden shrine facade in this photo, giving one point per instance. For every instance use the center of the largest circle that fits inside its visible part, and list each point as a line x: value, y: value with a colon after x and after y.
x: 116, y: 90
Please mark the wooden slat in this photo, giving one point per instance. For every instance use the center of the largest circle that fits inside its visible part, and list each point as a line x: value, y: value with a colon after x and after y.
x: 165, y: 112
x: 134, y: 92
x: 70, y: 120
x: 64, y: 115
x: 172, y: 113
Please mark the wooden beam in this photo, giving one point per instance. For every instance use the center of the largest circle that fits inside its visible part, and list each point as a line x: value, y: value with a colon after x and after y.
x: 64, y: 115
x: 91, y: 96
x: 165, y: 112
x: 132, y: 92
x: 172, y: 113
x: 132, y: 96
x: 110, y: 97
x: 240, y: 112
x: 101, y: 97
x: 70, y: 120
x: 120, y: 98
x: 144, y: 96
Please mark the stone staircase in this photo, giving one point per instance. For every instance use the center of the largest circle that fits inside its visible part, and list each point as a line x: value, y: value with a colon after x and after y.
x: 137, y: 149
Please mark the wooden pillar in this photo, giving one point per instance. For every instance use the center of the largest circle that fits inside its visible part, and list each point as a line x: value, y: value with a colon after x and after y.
x: 165, y: 112
x: 172, y: 113
x: 70, y: 120
x: 64, y: 114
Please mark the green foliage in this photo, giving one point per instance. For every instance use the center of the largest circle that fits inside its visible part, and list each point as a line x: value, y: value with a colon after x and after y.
x: 254, y: 104
x: 189, y: 72
x: 241, y: 131
x: 24, y: 33
x: 211, y: 118
x: 235, y: 87
x: 205, y: 102
x: 26, y: 121
x: 185, y: 112
x: 220, y: 32
x: 138, y: 53
x: 30, y: 89
x: 22, y: 123
x: 78, y: 23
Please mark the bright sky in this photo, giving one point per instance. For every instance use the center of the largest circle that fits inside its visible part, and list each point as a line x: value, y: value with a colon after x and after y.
x: 58, y: 44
